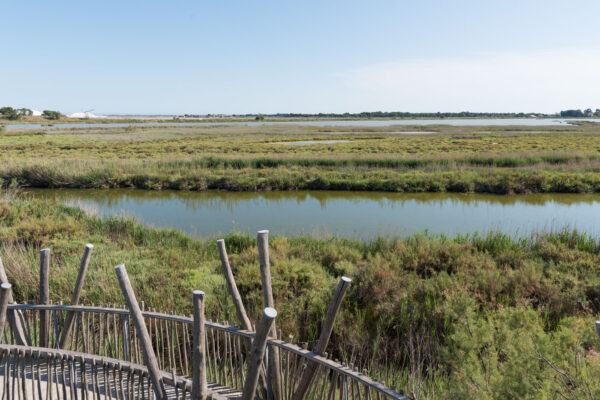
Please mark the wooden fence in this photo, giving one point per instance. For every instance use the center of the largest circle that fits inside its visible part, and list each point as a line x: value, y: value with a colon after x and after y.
x: 41, y: 373
x: 128, y: 352
x: 108, y: 332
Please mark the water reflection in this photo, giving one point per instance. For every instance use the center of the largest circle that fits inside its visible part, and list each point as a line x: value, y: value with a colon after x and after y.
x: 372, y: 122
x: 360, y: 215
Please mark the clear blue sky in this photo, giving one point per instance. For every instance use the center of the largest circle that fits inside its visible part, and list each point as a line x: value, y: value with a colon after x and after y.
x: 302, y: 56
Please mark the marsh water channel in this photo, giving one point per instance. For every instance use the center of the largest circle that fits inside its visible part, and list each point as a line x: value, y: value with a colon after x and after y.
x: 367, y: 123
x: 355, y: 215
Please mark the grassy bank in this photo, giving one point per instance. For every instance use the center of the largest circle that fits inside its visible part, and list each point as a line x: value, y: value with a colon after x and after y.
x: 574, y: 175
x: 468, y: 317
x: 399, y: 158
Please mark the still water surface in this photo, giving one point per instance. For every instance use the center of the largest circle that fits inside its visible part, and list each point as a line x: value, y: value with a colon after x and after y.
x: 358, y: 215
x: 371, y: 122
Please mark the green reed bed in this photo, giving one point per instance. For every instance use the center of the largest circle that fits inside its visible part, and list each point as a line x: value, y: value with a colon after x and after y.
x: 571, y: 176
x: 397, y: 158
x: 466, y: 317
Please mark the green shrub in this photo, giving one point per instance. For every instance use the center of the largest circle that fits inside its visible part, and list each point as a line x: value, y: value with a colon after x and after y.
x: 466, y: 317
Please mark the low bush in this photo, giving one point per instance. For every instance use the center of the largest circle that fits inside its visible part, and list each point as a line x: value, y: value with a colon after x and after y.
x: 467, y: 317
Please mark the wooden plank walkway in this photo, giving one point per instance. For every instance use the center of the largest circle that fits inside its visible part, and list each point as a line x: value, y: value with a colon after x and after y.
x: 108, y: 346
x: 61, y: 380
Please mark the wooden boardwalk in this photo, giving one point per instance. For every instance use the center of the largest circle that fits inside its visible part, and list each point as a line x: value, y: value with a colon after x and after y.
x: 26, y: 376
x: 88, y: 352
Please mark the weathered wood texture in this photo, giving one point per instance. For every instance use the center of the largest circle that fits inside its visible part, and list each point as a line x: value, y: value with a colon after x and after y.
x: 259, y: 345
x: 326, y: 330
x: 140, y: 326
x: 99, y: 329
x: 5, y: 295
x: 239, y: 307
x: 15, y: 317
x: 44, y: 297
x: 232, y: 287
x: 175, y: 346
x: 265, y: 273
x: 65, y: 336
x: 199, y: 383
x: 45, y: 374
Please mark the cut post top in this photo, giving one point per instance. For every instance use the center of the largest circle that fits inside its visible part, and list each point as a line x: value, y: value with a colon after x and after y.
x: 45, y: 251
x: 270, y: 312
x: 198, y: 293
x: 346, y: 279
x: 89, y: 246
x: 263, y: 232
x: 5, y: 286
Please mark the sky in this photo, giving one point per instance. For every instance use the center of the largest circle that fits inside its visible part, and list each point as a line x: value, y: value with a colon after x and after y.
x: 198, y: 57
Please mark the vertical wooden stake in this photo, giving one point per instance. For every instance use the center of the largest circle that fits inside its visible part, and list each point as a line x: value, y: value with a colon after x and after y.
x: 44, y: 297
x: 311, y: 367
x: 199, y: 384
x: 259, y: 344
x: 265, y: 273
x: 15, y: 317
x: 65, y: 337
x: 142, y: 331
x: 232, y: 287
x: 5, y: 295
x: 239, y: 306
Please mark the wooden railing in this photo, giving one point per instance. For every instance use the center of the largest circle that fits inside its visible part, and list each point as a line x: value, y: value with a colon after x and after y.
x: 188, y: 349
x: 43, y: 373
x: 108, y: 332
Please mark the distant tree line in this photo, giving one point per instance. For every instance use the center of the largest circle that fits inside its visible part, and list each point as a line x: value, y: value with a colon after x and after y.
x: 13, y: 114
x: 49, y: 114
x: 402, y: 114
x: 580, y: 114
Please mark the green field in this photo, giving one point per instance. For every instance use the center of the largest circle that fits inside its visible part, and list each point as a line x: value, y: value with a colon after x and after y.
x: 465, y: 317
x: 469, y: 317
x: 398, y: 158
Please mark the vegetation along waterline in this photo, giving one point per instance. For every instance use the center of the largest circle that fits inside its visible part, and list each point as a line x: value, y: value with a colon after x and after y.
x: 499, y: 159
x: 466, y: 317
x: 352, y: 215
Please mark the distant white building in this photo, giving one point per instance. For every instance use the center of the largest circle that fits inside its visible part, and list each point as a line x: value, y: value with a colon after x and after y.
x: 86, y: 114
x: 36, y: 113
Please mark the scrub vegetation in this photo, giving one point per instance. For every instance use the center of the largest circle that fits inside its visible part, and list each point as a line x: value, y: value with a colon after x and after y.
x: 468, y: 317
x: 513, y: 159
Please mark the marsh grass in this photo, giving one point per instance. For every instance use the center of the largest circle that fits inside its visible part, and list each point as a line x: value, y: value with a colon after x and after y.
x: 467, y: 317
x: 454, y: 159
x: 570, y: 176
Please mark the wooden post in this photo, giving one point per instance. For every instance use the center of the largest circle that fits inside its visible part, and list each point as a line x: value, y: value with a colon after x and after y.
x: 65, y: 336
x: 142, y: 331
x: 15, y: 317
x: 598, y: 328
x: 199, y: 384
x: 239, y: 307
x: 5, y: 295
x: 232, y: 287
x: 259, y: 345
x: 44, y: 297
x: 311, y: 367
x: 265, y: 273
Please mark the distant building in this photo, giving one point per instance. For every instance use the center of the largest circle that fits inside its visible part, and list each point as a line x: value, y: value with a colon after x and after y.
x: 86, y: 114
